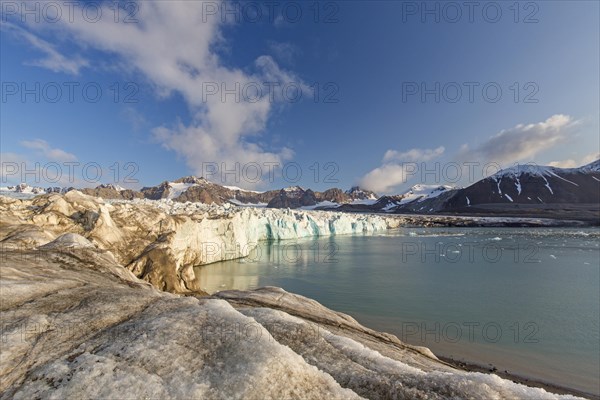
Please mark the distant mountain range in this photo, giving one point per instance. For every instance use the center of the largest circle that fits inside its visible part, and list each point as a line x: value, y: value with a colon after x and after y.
x: 521, y: 190
x: 526, y: 184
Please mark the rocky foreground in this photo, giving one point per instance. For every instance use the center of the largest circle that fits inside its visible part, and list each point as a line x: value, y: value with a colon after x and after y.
x: 87, y: 313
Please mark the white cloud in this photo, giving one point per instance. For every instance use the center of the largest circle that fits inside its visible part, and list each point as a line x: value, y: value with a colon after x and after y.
x: 564, y: 164
x: 35, y: 171
x: 134, y: 117
x: 397, y: 168
x: 280, y: 21
x: 413, y: 155
x: 590, y: 158
x: 54, y: 60
x: 52, y: 154
x: 570, y: 163
x: 284, y: 51
x: 385, y: 178
x: 521, y: 143
x: 198, y: 146
x: 173, y: 45
x: 10, y: 168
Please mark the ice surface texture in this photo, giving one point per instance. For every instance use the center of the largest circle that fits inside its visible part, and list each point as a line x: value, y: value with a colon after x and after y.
x: 76, y: 324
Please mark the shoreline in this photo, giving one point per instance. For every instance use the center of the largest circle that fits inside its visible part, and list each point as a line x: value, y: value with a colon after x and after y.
x: 470, y: 366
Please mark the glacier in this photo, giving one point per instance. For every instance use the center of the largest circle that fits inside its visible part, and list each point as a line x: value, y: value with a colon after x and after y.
x: 161, y: 241
x: 98, y: 301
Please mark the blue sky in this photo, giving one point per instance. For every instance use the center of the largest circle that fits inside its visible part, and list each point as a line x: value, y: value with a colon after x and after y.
x: 369, y: 62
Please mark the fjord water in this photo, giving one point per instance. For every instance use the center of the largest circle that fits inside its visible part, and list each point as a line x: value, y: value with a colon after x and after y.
x: 525, y: 300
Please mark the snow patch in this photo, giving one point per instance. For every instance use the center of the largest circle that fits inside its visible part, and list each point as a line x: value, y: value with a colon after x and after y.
x: 234, y: 188
x: 326, y: 203
x: 293, y: 189
x: 240, y: 204
x: 518, y: 184
x: 366, y: 202
x: 547, y: 185
x: 498, y: 184
x: 176, y: 189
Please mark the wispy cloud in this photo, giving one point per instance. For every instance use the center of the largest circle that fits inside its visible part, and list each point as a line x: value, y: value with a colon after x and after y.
x: 413, y: 155
x: 284, y: 51
x: 174, y: 47
x: 54, y: 60
x: 397, y: 168
x: 135, y: 118
x: 520, y: 143
x: 590, y: 158
x: 570, y: 163
x: 42, y: 148
x: 10, y: 164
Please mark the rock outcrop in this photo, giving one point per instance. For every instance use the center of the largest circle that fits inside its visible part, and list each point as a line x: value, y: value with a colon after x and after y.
x: 109, y: 191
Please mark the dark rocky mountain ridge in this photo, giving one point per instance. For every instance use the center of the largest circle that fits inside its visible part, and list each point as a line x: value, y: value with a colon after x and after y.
x: 523, y: 190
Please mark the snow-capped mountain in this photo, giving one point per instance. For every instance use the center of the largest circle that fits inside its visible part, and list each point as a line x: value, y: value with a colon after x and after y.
x: 189, y: 188
x: 422, y: 192
x: 540, y: 191
x: 522, y: 190
x: 357, y: 193
x: 199, y: 189
x: 530, y: 184
x: 111, y: 191
x: 111, y: 186
x: 594, y: 166
x: 409, y: 201
x: 414, y: 199
x: 24, y: 190
x: 296, y: 197
x: 293, y: 189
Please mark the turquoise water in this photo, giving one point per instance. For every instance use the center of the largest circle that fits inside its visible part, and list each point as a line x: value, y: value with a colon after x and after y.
x: 524, y: 300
